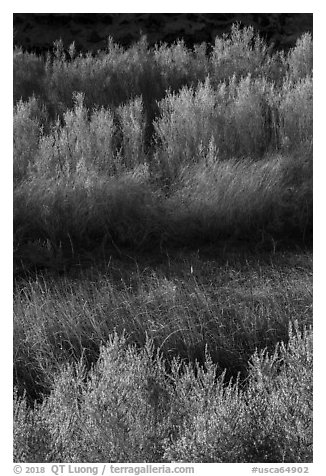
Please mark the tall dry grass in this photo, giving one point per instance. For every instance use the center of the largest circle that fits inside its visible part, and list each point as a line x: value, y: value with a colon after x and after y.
x: 232, y: 309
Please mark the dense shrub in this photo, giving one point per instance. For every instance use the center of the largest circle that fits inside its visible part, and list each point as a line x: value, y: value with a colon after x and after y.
x: 300, y: 58
x: 132, y: 126
x: 240, y: 119
x: 251, y: 129
x: 116, y: 75
x: 160, y: 149
x: 296, y: 114
x: 108, y: 79
x: 179, y: 155
x: 186, y: 123
x: 84, y: 74
x: 268, y: 422
x: 241, y: 53
x: 128, y: 409
x: 84, y: 140
x: 178, y: 65
x: 28, y: 117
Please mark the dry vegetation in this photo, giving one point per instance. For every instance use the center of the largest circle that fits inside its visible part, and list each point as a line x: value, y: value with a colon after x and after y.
x: 130, y: 345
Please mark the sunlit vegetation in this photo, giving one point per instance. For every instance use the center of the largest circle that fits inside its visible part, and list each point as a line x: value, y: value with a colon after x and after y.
x: 162, y: 253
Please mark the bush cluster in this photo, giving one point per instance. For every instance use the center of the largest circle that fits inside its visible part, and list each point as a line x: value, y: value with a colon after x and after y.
x: 159, y: 149
x: 185, y: 143
x: 128, y: 409
x: 117, y: 74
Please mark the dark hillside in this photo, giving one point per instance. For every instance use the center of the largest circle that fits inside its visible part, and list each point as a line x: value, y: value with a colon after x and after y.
x: 37, y: 31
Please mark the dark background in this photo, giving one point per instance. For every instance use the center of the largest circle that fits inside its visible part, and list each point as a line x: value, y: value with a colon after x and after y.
x: 37, y: 31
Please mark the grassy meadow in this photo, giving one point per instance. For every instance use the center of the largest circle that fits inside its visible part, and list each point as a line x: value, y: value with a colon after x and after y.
x: 163, y: 253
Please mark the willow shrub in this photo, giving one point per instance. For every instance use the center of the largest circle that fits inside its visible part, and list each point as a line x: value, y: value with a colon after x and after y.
x: 244, y: 118
x: 179, y: 65
x: 78, y: 73
x: 186, y: 121
x: 108, y: 79
x: 269, y: 421
x: 239, y: 117
x: 300, y: 58
x: 27, y: 132
x: 84, y: 139
x: 132, y: 126
x: 296, y: 113
x: 127, y: 408
x: 118, y: 74
x: 74, y: 179
x: 251, y: 127
x: 240, y: 53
